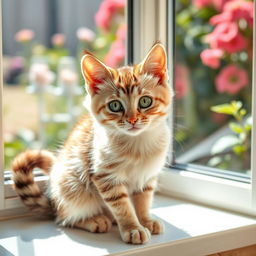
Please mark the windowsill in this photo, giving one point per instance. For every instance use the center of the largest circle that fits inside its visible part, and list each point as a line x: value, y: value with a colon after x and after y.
x: 190, y: 229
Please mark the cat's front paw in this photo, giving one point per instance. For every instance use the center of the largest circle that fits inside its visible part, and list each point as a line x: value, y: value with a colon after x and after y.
x: 154, y: 226
x: 138, y: 235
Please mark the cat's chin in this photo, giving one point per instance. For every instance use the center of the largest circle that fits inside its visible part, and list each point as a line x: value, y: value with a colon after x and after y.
x: 133, y: 131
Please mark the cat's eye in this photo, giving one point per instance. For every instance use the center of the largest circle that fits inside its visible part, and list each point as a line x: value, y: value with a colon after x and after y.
x: 145, y: 102
x: 115, y: 106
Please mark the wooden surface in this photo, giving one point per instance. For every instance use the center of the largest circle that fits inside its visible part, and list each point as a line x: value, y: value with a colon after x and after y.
x: 246, y: 251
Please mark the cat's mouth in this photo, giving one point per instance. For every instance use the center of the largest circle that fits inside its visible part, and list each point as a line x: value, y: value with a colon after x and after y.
x: 134, y: 129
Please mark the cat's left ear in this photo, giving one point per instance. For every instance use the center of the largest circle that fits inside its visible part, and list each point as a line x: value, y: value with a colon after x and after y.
x: 155, y: 62
x: 95, y: 73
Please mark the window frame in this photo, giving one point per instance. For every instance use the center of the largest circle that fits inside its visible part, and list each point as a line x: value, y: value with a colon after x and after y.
x: 2, y: 193
x: 151, y: 23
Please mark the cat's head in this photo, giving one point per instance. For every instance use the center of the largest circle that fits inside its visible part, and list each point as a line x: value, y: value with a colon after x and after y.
x: 132, y: 99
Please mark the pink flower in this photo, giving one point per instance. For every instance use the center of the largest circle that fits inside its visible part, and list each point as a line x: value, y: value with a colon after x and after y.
x: 219, y: 18
x: 211, y: 57
x: 231, y: 80
x: 68, y: 77
x: 17, y: 63
x: 121, y: 32
x: 181, y: 81
x: 216, y: 4
x: 85, y: 34
x: 24, y: 35
x: 234, y: 11
x: 116, y: 54
x: 107, y: 10
x: 202, y: 3
x: 58, y: 39
x: 219, y: 4
x: 240, y: 9
x: 39, y: 74
x: 226, y: 36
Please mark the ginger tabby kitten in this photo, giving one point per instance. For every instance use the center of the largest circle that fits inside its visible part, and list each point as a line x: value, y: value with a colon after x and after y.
x: 107, y: 169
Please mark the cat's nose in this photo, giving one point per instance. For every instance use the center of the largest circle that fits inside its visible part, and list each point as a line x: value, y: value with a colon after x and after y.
x: 132, y: 120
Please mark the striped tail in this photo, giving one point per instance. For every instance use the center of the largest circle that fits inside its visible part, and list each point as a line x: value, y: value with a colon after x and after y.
x: 24, y: 184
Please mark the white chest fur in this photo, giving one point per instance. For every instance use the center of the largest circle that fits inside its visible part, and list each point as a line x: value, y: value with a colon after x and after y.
x: 138, y: 160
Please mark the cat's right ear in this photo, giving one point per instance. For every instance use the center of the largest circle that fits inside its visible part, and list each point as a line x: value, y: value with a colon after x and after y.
x: 95, y: 73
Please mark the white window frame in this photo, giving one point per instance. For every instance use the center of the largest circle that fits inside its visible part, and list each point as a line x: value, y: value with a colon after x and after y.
x: 152, y: 22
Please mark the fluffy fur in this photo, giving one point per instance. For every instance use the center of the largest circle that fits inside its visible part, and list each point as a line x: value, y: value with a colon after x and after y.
x: 107, y: 170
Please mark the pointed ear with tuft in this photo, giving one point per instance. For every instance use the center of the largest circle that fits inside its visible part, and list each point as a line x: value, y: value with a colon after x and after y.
x: 155, y: 62
x: 94, y: 72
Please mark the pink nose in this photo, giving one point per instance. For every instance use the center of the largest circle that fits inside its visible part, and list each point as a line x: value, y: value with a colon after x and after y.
x: 132, y: 120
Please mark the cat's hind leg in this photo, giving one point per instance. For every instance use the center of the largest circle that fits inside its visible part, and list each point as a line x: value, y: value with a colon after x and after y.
x: 96, y: 224
x: 85, y: 211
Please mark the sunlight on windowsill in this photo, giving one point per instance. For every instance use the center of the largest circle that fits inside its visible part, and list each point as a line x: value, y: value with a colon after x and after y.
x: 37, y: 237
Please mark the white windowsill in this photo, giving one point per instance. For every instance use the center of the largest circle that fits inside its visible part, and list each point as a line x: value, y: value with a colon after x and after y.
x: 190, y: 230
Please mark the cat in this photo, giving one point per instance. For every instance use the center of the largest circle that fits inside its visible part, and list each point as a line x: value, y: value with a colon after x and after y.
x: 107, y: 170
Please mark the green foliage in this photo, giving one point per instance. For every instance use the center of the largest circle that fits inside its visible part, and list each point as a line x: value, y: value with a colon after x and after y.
x: 241, y: 128
x: 229, y: 108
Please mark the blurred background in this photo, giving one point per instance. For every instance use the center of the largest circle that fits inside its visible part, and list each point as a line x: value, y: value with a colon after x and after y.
x: 213, y: 81
x: 44, y: 40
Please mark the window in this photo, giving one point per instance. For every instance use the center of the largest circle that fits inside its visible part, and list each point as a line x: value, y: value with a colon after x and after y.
x: 43, y: 89
x: 210, y: 157
x: 213, y: 86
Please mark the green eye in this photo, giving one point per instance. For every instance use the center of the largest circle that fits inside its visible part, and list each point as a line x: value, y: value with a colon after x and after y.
x: 145, y: 102
x: 115, y: 106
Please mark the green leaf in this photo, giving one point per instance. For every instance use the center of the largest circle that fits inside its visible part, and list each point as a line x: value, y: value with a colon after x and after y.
x: 236, y: 104
x: 239, y: 149
x: 223, y: 109
x: 183, y: 18
x: 229, y: 109
x: 237, y: 128
x: 242, y: 112
x: 248, y: 123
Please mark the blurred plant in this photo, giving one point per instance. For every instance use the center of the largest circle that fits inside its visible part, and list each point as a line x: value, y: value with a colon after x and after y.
x: 181, y: 80
x: 231, y: 79
x: 15, y: 69
x: 116, y: 54
x: 39, y: 74
x: 16, y: 143
x: 220, y: 32
x: 58, y: 40
x: 239, y: 141
x: 54, y: 54
x: 85, y: 37
x: 110, y: 42
x: 231, y: 42
x: 107, y: 43
x: 25, y: 37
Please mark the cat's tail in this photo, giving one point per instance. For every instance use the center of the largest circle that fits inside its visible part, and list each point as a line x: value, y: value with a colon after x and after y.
x: 28, y: 190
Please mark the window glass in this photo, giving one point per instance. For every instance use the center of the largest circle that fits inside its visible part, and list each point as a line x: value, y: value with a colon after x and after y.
x: 43, y: 42
x: 213, y: 83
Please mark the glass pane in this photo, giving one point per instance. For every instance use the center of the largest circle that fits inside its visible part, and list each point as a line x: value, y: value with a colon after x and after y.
x: 43, y: 42
x: 213, y: 78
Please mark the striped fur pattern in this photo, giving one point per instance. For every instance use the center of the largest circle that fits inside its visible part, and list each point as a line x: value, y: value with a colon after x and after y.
x: 107, y: 170
x: 24, y: 184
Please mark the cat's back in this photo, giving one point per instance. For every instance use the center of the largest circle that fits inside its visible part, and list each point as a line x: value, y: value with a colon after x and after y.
x: 82, y: 133
x: 74, y: 159
x: 70, y: 175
